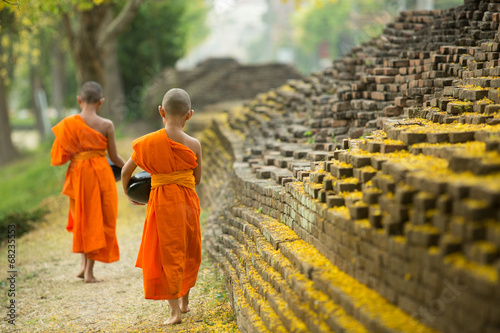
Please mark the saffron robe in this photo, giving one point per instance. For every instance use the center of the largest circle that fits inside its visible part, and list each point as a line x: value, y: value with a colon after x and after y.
x: 90, y: 186
x: 170, y: 251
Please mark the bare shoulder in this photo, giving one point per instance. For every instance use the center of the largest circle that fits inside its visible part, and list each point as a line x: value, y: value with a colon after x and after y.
x: 193, y: 144
x: 107, y: 125
x: 106, y: 122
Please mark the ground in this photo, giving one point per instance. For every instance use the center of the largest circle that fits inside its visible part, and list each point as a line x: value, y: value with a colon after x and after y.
x: 50, y: 298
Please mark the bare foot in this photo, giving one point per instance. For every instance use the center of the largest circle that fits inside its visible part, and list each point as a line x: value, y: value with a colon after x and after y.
x: 81, y: 274
x: 184, y: 309
x: 173, y: 320
x: 92, y: 280
x: 89, y: 272
x: 184, y: 303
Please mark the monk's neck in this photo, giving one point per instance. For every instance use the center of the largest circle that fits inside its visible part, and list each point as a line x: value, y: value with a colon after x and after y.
x: 172, y: 130
x: 89, y: 109
x: 174, y: 124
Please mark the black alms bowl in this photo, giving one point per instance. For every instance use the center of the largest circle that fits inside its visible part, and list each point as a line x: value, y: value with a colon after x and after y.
x: 139, y: 187
x: 117, y: 172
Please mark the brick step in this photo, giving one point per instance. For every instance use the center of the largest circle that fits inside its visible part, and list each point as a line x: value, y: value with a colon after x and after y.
x: 260, y: 305
x: 416, y: 130
x: 248, y: 319
x: 295, y: 313
x: 306, y: 270
x: 304, y: 205
x: 480, y: 205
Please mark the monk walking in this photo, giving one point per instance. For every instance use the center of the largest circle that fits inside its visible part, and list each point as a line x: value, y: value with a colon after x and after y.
x: 90, y: 185
x: 170, y: 251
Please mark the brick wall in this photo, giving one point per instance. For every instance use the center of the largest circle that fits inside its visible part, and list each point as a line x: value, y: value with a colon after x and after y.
x: 318, y: 230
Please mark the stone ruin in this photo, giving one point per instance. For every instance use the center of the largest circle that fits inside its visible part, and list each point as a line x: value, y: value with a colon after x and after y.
x: 366, y: 198
x: 218, y: 80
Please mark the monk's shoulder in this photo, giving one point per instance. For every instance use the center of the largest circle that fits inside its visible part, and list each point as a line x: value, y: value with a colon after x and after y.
x: 105, y: 124
x: 66, y: 124
x: 193, y: 144
x: 145, y: 139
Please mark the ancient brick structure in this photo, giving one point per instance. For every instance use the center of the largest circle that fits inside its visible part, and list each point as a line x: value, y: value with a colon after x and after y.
x: 222, y: 79
x: 366, y: 198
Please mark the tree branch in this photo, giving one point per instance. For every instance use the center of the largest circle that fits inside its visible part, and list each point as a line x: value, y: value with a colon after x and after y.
x: 10, y: 3
x: 126, y: 15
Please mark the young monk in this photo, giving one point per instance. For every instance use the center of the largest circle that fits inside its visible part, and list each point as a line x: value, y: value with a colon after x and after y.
x: 170, y: 251
x: 90, y: 185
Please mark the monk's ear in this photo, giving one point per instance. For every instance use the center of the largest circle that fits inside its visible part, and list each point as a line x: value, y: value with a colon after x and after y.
x: 161, y: 111
x: 190, y: 114
x: 79, y: 99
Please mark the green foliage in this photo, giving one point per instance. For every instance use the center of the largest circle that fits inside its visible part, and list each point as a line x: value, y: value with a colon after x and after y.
x: 321, y: 24
x: 25, y: 184
x: 9, y: 34
x: 22, y: 123
x: 157, y: 38
x: 194, y: 21
x: 221, y: 296
x: 340, y: 25
x: 154, y: 40
x: 34, y: 30
x: 23, y: 220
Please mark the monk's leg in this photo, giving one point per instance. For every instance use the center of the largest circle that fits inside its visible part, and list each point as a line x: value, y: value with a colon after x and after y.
x: 81, y: 273
x: 89, y: 272
x: 184, y: 303
x: 175, y: 313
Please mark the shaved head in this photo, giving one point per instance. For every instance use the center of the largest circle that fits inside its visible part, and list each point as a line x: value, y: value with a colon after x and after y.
x: 176, y: 102
x: 91, y: 92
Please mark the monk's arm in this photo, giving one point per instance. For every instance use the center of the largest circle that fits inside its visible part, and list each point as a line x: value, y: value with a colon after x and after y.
x: 197, y: 170
x: 113, y: 153
x: 127, y: 170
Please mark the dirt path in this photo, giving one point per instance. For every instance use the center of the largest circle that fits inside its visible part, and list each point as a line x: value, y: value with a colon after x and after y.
x: 49, y: 298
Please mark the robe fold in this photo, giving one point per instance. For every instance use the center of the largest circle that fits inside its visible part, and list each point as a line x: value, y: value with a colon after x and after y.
x: 170, y: 251
x: 90, y: 186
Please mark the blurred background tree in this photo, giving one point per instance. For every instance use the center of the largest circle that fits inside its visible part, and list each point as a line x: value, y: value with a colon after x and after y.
x: 160, y: 35
x: 8, y: 33
x: 326, y: 29
x: 49, y: 48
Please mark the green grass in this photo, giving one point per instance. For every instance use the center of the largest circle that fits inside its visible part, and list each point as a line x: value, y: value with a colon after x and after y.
x: 23, y: 123
x: 25, y: 184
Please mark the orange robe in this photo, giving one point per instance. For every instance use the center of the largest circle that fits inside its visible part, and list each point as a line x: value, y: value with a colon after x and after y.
x: 90, y: 186
x: 170, y: 252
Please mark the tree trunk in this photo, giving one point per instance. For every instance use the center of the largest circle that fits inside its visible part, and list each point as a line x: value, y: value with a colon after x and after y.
x: 89, y: 59
x: 39, y: 108
x: 58, y: 78
x: 93, y: 44
x: 7, y: 150
x: 114, y: 106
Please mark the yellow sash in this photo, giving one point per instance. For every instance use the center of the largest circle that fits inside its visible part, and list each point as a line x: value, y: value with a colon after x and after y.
x: 85, y: 155
x: 181, y: 178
